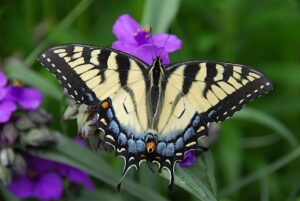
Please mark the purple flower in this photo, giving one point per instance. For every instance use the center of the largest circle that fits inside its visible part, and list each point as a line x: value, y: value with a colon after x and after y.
x: 44, y: 179
x: 10, y: 96
x: 7, y: 107
x: 136, y: 40
x: 27, y: 98
x: 189, y: 159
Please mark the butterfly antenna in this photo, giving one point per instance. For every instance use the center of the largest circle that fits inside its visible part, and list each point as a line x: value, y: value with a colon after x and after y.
x: 153, y: 49
x: 163, y: 47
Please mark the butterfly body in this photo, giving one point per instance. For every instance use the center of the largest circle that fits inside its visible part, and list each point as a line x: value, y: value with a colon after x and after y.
x: 153, y: 113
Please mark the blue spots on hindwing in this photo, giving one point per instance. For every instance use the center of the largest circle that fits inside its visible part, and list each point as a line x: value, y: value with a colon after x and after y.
x: 165, y: 149
x: 140, y: 146
x: 160, y: 147
x: 122, y: 139
x: 196, y: 121
x: 179, y: 143
x: 109, y: 114
x: 188, y: 134
x: 169, y: 150
x: 132, y: 148
x: 114, y: 127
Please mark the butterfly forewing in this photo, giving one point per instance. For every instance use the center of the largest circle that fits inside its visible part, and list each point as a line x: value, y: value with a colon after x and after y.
x: 217, y: 89
x: 89, y: 73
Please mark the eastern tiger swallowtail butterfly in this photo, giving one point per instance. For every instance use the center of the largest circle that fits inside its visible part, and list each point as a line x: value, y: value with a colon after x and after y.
x: 153, y: 113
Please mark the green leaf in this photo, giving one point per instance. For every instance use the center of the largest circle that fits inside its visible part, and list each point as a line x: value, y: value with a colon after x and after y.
x: 18, y: 70
x: 269, y: 121
x: 97, y: 194
x: 7, y: 195
x: 159, y: 14
x: 197, y: 179
x: 70, y: 153
x: 230, y: 151
x: 262, y: 172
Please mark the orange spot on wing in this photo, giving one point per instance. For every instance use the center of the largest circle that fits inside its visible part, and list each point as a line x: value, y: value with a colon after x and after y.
x: 150, y: 146
x: 105, y: 104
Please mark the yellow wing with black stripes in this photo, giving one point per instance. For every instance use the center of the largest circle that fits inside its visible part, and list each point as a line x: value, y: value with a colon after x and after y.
x: 215, y: 90
x: 90, y: 74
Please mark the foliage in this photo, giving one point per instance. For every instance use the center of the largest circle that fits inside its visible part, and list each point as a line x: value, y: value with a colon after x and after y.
x: 255, y: 153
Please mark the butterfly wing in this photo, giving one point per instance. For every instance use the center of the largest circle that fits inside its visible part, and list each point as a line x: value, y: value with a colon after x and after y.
x: 214, y: 90
x: 218, y: 89
x: 90, y: 74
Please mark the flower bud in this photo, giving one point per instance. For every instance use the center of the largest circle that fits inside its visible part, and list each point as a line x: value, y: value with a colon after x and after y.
x: 71, y: 111
x: 7, y: 157
x: 40, y: 116
x: 86, y: 120
x: 24, y: 123
x: 19, y: 165
x: 38, y: 137
x: 82, y: 117
x: 5, y: 175
x: 8, y: 135
x: 89, y: 128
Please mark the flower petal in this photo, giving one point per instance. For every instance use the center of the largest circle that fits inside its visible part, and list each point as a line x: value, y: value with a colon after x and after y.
x: 123, y: 46
x: 63, y: 169
x: 28, y: 98
x: 189, y: 159
x: 80, y: 142
x: 7, y: 107
x: 21, y: 187
x: 148, y: 52
x: 81, y: 178
x: 3, y: 79
x: 169, y: 42
x: 48, y: 187
x: 2, y: 93
x: 125, y: 27
x: 75, y: 175
x: 40, y: 165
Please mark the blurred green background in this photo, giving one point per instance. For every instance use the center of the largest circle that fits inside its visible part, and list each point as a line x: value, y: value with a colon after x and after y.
x: 256, y: 155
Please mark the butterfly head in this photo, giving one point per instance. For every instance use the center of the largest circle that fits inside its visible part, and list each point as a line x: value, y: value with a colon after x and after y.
x: 156, y: 71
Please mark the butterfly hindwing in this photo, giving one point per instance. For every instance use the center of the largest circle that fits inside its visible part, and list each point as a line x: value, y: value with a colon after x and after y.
x: 90, y: 73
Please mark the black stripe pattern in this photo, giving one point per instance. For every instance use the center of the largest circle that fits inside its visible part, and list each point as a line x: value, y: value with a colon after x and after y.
x: 242, y: 85
x: 71, y: 65
x: 189, y: 72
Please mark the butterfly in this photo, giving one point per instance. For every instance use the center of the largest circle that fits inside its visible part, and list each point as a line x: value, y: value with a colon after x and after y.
x: 153, y: 113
